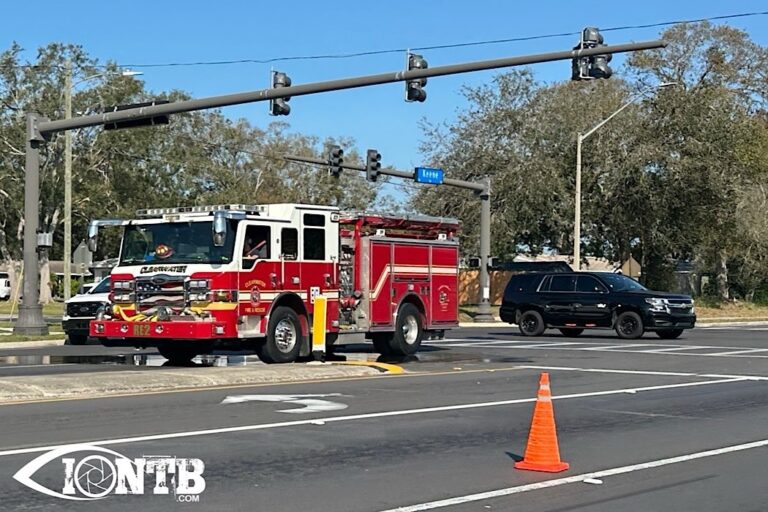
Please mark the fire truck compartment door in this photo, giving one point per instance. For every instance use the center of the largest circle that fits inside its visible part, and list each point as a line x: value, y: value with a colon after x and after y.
x: 380, y: 283
x: 444, y: 284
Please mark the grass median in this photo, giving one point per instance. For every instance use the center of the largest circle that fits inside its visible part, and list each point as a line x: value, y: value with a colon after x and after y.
x: 12, y: 307
x: 7, y: 336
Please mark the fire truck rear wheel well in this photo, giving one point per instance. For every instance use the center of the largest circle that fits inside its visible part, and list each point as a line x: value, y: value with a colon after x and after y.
x: 416, y: 301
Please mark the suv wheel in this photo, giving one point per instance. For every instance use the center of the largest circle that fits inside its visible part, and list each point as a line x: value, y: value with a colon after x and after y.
x: 571, y: 333
x: 629, y: 325
x: 669, y: 334
x: 531, y: 323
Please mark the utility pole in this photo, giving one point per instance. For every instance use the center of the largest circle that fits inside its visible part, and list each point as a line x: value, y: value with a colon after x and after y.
x: 68, y: 184
x: 30, y: 314
x: 484, y: 314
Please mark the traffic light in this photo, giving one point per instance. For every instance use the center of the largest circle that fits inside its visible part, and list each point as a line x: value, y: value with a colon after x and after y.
x: 279, y: 106
x: 372, y: 165
x: 596, y: 66
x: 335, y: 161
x: 414, y: 89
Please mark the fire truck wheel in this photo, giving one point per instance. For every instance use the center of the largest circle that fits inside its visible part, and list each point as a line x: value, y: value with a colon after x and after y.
x: 283, y: 337
x: 409, y: 331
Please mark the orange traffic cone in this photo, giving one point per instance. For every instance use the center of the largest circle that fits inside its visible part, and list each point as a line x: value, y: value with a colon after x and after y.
x: 542, y: 452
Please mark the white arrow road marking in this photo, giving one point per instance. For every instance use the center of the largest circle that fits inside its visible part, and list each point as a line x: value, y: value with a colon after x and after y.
x: 310, y: 402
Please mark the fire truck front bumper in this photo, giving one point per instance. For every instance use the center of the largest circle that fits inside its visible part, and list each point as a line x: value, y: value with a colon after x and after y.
x: 177, y: 330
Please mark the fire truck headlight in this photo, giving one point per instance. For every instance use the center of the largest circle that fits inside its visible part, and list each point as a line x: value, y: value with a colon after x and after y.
x: 122, y: 298
x: 198, y: 284
x: 199, y: 297
x: 122, y: 285
x: 218, y: 329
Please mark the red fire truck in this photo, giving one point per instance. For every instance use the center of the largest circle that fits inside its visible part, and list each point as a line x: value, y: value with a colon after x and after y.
x: 193, y: 279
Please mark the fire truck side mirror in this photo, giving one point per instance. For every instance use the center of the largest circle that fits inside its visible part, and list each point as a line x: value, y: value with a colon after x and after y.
x: 93, y: 235
x: 219, y: 229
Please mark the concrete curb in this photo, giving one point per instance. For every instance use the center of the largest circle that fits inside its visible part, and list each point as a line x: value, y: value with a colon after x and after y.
x: 497, y: 323
x: 103, y: 384
x: 745, y: 323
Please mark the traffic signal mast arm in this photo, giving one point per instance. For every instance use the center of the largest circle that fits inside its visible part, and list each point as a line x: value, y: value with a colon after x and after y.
x: 43, y: 127
x: 478, y: 188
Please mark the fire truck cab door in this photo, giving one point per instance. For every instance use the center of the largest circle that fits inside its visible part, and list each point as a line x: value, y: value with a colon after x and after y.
x: 259, y: 266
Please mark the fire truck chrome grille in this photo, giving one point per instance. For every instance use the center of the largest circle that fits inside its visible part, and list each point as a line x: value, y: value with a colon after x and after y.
x: 160, y: 290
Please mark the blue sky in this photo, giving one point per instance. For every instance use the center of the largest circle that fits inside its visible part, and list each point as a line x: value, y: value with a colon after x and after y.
x: 144, y: 32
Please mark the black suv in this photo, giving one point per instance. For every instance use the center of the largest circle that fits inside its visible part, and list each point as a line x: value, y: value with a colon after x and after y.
x: 573, y: 302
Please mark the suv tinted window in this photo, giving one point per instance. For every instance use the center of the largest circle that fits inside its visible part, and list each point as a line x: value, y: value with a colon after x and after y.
x: 589, y: 284
x: 561, y: 284
x: 524, y: 283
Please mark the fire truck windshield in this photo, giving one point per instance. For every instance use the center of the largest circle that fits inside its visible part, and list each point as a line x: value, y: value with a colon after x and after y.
x: 175, y: 242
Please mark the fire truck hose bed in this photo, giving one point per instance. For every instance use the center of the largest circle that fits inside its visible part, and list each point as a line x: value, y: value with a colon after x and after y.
x: 97, y: 384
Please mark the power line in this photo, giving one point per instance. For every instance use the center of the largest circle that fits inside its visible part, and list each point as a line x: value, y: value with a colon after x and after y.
x: 437, y: 47
x: 339, y: 56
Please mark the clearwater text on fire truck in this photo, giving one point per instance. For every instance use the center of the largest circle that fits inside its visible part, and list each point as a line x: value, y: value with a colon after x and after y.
x: 193, y: 279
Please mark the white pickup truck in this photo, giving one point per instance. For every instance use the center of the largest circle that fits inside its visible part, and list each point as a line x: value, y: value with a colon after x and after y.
x: 5, y: 286
x: 81, y: 309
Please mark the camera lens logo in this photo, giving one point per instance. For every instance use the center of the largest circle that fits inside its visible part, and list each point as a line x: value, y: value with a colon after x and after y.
x: 101, y: 472
x: 96, y: 476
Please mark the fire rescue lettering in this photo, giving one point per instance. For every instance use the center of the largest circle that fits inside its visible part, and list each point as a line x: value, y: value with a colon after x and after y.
x: 163, y: 268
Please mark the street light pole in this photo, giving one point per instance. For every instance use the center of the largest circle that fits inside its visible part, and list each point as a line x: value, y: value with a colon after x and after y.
x: 68, y: 86
x: 579, y: 140
x: 577, y: 207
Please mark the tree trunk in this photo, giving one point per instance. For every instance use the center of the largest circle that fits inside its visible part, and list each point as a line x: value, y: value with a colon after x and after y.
x: 721, y: 276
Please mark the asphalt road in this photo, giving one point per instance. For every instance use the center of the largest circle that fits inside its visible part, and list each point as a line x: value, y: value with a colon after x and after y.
x: 667, y: 425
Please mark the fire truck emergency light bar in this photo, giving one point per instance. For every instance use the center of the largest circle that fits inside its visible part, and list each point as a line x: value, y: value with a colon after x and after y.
x: 156, y: 212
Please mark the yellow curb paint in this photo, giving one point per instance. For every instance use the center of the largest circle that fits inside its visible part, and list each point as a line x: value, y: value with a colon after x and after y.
x: 391, y: 369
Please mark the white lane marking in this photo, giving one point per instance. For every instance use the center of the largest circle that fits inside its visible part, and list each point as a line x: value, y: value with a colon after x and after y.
x: 610, y: 347
x: 597, y: 475
x: 629, y: 346
x: 675, y: 349
x: 743, y: 351
x: 646, y: 372
x: 365, y: 416
x: 310, y: 403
